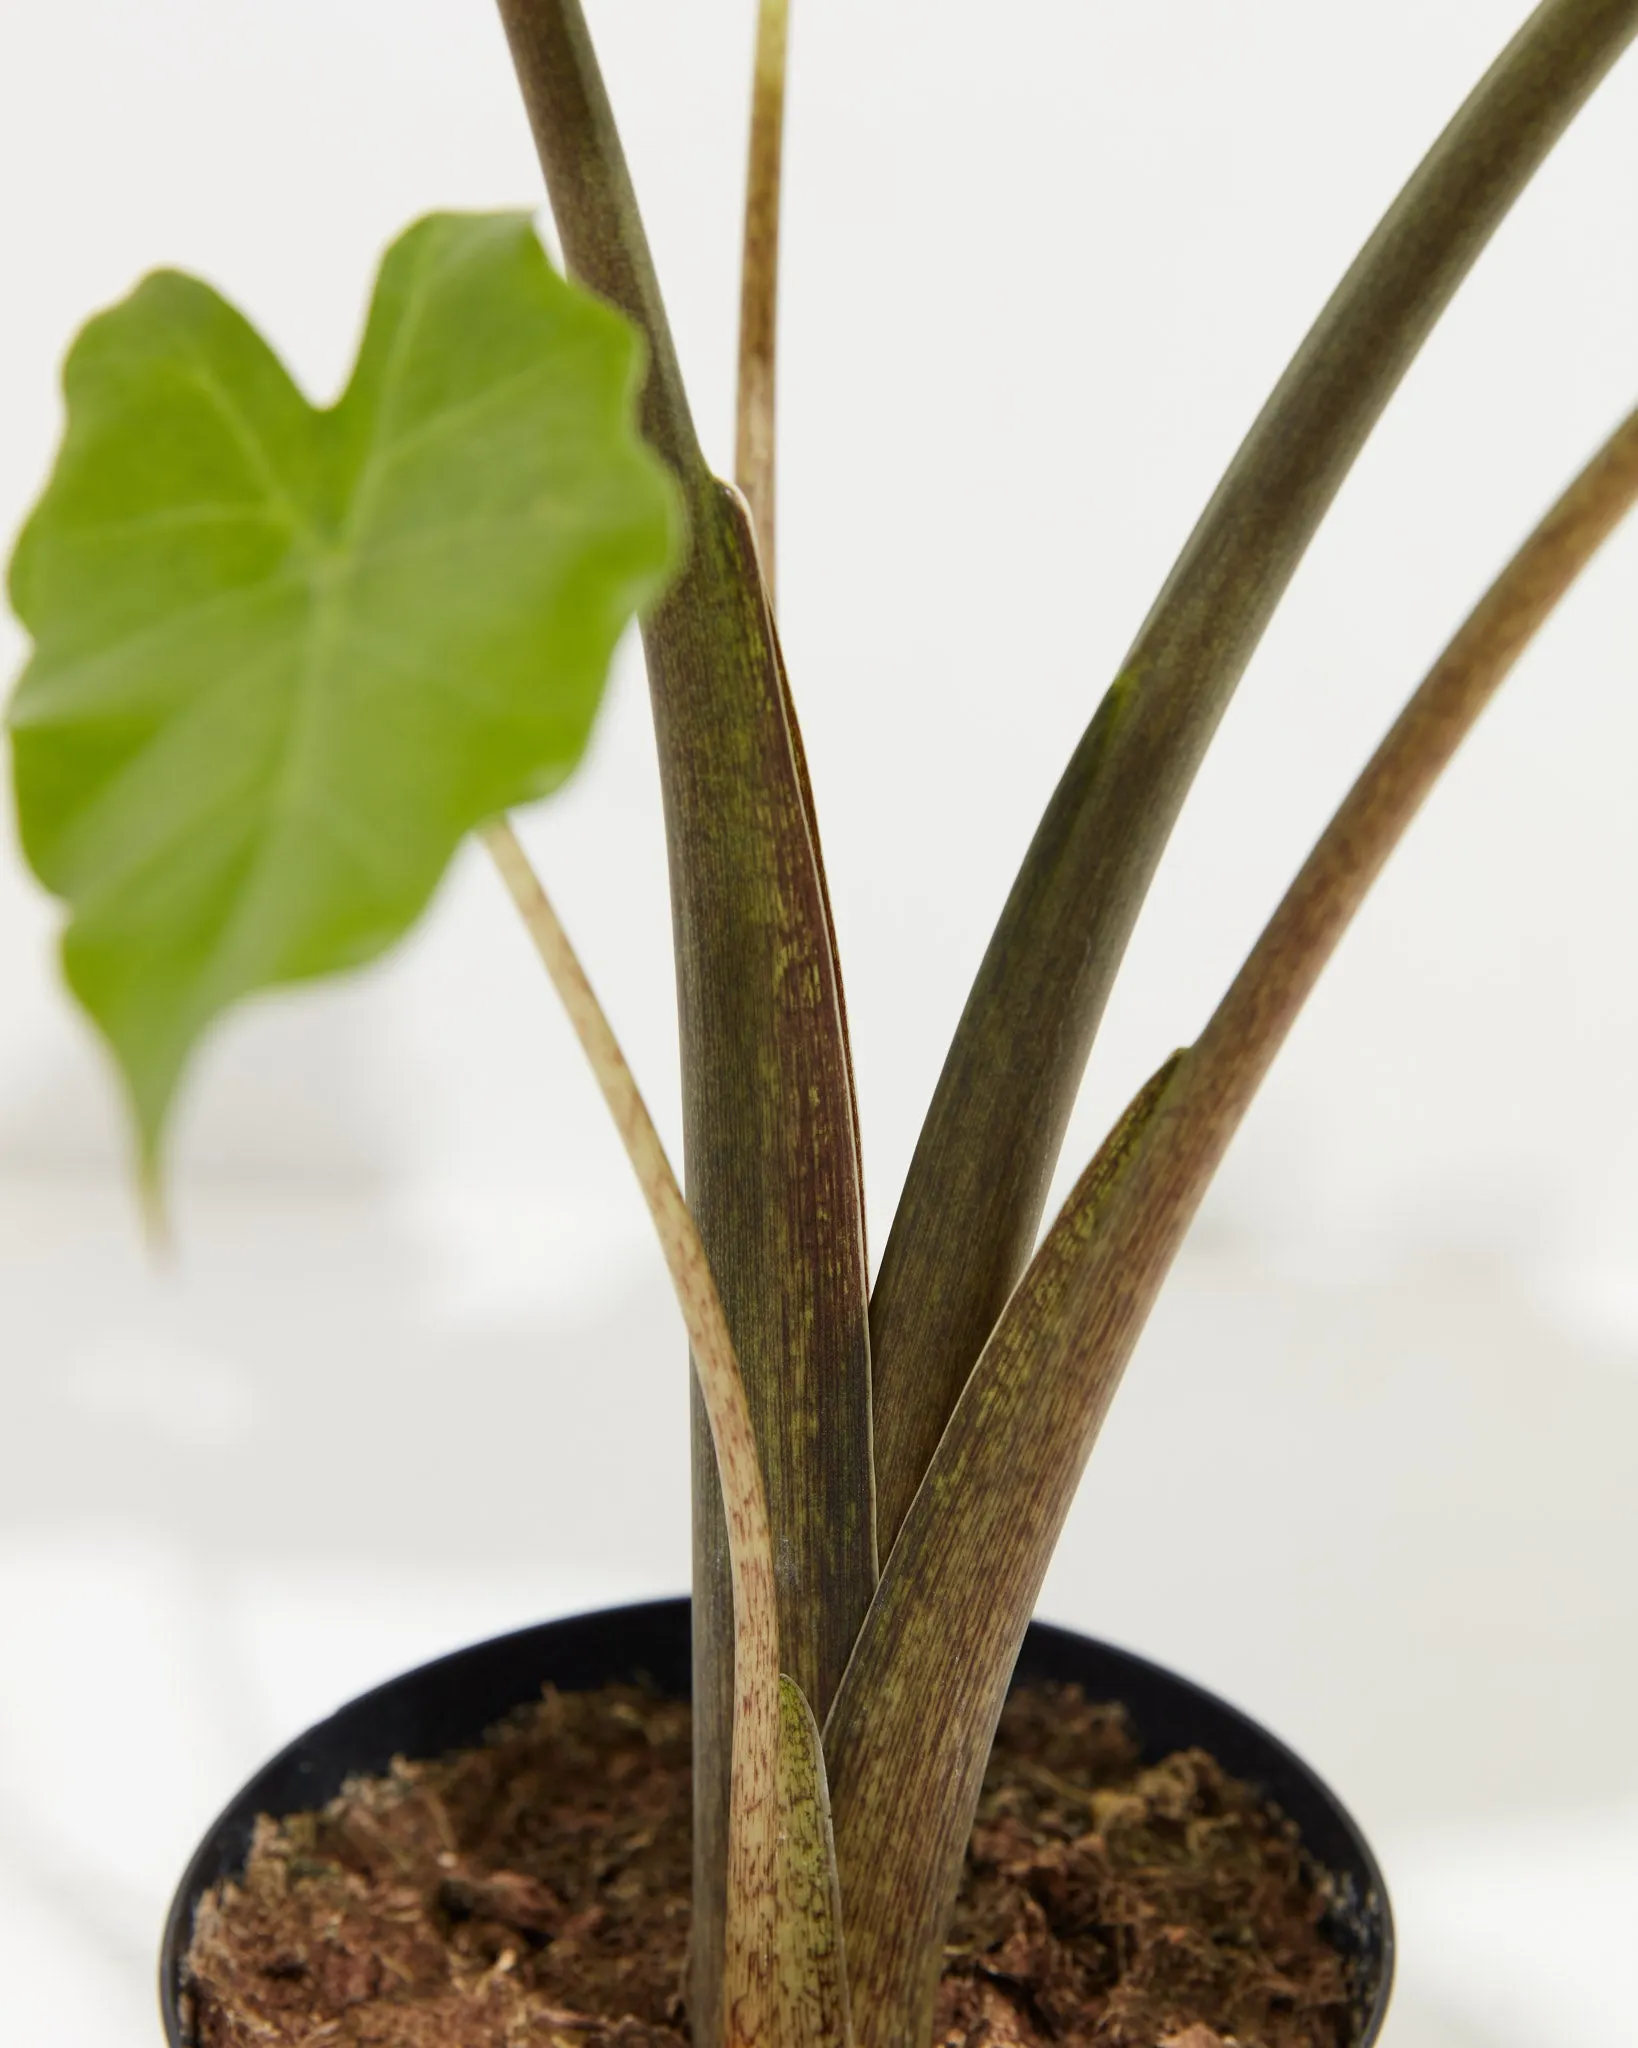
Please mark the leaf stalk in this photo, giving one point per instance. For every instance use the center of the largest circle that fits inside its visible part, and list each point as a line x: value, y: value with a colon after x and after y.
x: 958, y: 1589
x: 759, y: 279
x: 984, y: 1161
x: 595, y: 205
x: 770, y: 1130
x: 753, y: 1828
x: 1228, y: 1061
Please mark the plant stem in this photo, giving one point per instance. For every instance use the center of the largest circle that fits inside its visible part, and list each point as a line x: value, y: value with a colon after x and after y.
x: 1233, y: 1053
x: 985, y: 1157
x: 958, y: 1589
x: 753, y: 1849
x: 770, y: 1128
x: 759, y: 280
x: 595, y: 207
x: 680, y: 1243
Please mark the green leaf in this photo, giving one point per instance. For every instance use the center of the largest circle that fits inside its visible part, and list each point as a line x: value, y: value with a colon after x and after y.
x: 284, y: 659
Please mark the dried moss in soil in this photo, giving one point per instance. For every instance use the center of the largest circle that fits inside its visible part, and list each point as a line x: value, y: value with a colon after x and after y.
x: 533, y: 1893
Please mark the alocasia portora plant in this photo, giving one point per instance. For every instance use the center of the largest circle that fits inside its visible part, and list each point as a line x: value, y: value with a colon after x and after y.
x: 285, y: 660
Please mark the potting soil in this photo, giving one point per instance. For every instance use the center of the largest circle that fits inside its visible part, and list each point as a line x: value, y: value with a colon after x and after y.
x: 534, y: 1893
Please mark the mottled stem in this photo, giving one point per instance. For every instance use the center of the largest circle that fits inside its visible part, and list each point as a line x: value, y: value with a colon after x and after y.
x: 1222, y: 1072
x: 753, y: 1825
x: 957, y: 1591
x: 985, y: 1158
x: 770, y: 1136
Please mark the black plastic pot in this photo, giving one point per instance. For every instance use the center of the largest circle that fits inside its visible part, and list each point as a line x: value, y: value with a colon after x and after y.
x: 448, y: 1704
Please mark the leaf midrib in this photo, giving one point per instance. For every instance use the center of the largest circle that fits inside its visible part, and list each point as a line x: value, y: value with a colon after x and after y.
x: 331, y: 571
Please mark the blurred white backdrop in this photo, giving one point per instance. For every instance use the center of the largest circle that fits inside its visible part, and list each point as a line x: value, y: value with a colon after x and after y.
x: 412, y: 1348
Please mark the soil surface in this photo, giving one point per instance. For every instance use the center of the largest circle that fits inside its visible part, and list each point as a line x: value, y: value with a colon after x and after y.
x: 534, y: 1894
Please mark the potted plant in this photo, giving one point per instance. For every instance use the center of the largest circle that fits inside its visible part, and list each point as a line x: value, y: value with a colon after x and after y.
x: 285, y: 661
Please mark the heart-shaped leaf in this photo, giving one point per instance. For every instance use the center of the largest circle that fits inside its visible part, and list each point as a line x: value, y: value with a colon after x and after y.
x: 285, y: 658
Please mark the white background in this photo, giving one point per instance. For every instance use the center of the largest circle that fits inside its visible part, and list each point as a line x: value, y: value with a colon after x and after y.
x: 411, y: 1374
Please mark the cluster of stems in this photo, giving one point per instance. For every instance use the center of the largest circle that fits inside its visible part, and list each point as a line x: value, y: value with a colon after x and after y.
x: 909, y: 1454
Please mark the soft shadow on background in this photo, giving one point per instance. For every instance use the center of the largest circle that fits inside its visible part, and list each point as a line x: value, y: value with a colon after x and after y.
x: 410, y: 1374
